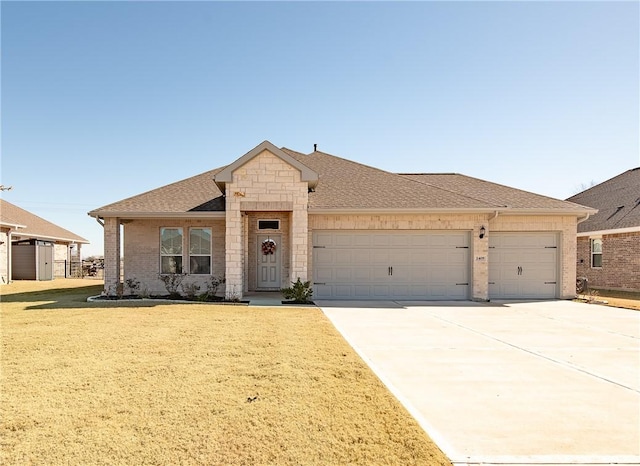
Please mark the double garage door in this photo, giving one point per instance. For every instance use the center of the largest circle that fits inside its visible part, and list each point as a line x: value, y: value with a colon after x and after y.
x: 409, y: 265
x: 431, y: 265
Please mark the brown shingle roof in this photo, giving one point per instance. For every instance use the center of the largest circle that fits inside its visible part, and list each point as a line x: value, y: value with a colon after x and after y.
x: 495, y: 194
x: 347, y: 185
x: 617, y: 201
x: 196, y: 194
x: 34, y: 226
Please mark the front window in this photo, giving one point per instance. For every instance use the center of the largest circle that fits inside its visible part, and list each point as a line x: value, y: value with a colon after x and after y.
x: 596, y: 252
x: 170, y: 250
x: 200, y: 250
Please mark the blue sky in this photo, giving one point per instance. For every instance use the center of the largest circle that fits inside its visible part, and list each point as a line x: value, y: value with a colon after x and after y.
x: 105, y: 100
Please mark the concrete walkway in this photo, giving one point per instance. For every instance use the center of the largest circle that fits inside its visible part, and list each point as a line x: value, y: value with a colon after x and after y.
x: 552, y: 382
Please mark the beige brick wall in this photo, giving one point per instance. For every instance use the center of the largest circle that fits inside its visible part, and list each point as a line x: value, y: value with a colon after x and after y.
x: 4, y: 256
x: 264, y: 184
x: 142, y: 251
x: 564, y: 225
x: 112, y: 278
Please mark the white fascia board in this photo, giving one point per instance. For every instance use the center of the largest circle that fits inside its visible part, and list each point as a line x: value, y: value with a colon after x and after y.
x: 38, y: 236
x: 481, y: 210
x: 135, y: 215
x: 11, y: 225
x: 616, y: 231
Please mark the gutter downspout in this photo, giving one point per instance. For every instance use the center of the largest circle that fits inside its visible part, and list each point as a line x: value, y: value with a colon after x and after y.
x: 495, y: 215
x: 100, y: 221
x: 586, y: 217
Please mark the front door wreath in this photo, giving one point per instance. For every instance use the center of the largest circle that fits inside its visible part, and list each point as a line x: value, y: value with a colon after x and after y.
x: 268, y: 246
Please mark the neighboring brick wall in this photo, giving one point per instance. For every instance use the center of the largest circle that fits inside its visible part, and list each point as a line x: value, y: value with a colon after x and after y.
x: 142, y: 251
x: 620, y: 262
x: 4, y: 256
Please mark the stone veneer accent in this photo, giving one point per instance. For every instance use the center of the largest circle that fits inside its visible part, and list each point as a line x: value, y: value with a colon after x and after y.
x: 263, y: 184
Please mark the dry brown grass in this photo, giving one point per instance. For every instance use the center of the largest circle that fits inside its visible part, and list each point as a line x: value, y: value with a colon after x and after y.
x: 116, y: 383
x: 625, y: 299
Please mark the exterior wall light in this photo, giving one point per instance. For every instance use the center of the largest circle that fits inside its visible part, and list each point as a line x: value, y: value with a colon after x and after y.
x: 482, y: 231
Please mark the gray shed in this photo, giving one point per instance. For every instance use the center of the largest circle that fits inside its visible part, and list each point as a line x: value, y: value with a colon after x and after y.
x: 32, y: 260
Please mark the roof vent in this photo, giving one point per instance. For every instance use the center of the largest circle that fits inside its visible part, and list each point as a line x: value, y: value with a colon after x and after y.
x: 315, y: 147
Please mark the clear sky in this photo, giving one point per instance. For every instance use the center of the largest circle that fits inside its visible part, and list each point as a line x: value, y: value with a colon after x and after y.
x: 105, y: 100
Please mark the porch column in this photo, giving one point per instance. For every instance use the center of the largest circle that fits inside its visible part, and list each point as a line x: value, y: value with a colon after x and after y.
x: 112, y: 278
x: 480, y: 262
x: 299, y: 242
x: 234, y: 252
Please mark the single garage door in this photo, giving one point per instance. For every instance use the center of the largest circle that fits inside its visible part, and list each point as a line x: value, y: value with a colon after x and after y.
x: 410, y: 265
x: 523, y: 265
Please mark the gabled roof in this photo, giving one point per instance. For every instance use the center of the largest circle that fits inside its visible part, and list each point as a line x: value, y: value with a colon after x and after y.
x: 617, y: 201
x: 343, y: 186
x: 32, y: 226
x: 226, y: 175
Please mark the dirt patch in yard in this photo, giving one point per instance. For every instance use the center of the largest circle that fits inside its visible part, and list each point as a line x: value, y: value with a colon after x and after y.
x: 623, y: 299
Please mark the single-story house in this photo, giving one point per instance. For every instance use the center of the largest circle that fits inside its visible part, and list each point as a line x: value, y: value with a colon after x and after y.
x: 356, y: 232
x: 32, y: 248
x: 609, y: 241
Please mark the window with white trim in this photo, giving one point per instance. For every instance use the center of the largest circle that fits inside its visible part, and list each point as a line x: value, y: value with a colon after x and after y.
x: 170, y: 250
x: 596, y: 252
x: 200, y: 251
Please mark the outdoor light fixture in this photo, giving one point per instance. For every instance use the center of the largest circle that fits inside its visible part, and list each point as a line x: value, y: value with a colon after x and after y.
x: 482, y: 231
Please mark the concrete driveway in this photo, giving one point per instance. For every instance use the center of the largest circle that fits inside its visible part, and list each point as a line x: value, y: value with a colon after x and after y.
x: 552, y: 382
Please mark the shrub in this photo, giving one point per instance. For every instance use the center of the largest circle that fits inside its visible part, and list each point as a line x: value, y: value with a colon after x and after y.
x: 172, y: 282
x: 213, y: 285
x: 133, y: 285
x: 190, y: 289
x: 300, y: 292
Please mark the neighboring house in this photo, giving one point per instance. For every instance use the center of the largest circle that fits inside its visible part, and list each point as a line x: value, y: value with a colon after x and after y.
x: 609, y: 241
x: 32, y: 248
x: 356, y: 232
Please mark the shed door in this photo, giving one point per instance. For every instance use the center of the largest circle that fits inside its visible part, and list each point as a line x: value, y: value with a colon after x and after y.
x: 45, y: 262
x: 397, y: 265
x: 523, y: 265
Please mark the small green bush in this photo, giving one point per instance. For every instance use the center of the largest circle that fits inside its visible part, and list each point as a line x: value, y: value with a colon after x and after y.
x: 300, y: 292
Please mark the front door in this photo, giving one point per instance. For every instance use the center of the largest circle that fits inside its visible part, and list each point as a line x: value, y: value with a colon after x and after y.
x: 269, y: 253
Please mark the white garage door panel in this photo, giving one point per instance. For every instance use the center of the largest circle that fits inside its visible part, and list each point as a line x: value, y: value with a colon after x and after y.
x: 523, y: 265
x: 391, y: 265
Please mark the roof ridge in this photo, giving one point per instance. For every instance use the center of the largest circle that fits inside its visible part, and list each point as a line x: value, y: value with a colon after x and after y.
x: 457, y: 192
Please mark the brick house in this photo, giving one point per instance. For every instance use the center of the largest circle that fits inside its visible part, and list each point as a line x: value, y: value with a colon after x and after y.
x: 609, y: 241
x: 33, y: 248
x: 356, y: 232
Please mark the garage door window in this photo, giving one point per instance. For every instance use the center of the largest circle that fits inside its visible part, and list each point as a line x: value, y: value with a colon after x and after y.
x: 596, y: 253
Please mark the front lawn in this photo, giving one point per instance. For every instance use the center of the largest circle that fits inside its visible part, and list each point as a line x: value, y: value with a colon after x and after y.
x: 150, y: 383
